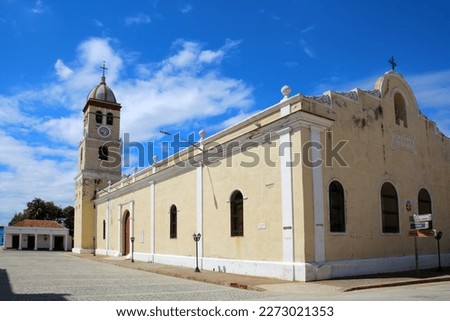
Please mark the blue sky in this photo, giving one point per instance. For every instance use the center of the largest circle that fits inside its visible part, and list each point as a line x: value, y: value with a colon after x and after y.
x: 189, y: 65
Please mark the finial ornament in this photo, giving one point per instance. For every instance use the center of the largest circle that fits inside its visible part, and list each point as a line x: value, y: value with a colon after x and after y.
x: 393, y: 63
x: 286, y: 91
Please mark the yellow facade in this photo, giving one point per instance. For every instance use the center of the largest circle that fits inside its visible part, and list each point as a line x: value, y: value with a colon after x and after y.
x: 288, y: 162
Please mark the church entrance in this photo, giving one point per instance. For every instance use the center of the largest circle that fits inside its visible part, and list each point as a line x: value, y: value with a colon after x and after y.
x: 126, y: 233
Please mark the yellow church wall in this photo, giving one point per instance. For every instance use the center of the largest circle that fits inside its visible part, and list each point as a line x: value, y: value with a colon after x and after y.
x: 260, y: 186
x: 181, y: 192
x: 377, y: 150
x: 372, y: 160
x: 137, y: 203
x: 303, y: 201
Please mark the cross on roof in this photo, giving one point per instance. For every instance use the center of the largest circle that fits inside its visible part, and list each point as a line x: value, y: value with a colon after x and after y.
x: 104, y: 68
x: 393, y: 63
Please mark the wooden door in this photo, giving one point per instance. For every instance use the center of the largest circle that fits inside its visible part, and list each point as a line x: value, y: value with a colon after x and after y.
x: 126, y: 234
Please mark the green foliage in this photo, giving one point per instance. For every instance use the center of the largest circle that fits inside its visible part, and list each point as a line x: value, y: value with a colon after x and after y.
x: 38, y: 209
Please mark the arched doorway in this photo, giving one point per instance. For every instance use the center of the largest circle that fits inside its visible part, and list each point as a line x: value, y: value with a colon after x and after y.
x: 126, y: 233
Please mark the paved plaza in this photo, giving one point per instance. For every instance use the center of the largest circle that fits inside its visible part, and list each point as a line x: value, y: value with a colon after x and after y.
x: 63, y: 276
x: 30, y: 275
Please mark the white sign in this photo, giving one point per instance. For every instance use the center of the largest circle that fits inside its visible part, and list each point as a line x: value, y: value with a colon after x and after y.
x: 421, y: 218
x: 404, y: 142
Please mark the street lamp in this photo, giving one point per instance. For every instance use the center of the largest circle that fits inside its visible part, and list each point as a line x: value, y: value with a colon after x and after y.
x: 132, y: 249
x: 93, y: 243
x: 196, y: 238
x: 202, y: 134
x: 438, y: 237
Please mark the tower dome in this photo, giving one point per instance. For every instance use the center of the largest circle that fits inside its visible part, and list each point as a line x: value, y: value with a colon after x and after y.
x: 102, y: 92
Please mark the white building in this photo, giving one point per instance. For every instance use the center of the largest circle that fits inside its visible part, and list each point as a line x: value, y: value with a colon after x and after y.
x: 37, y: 235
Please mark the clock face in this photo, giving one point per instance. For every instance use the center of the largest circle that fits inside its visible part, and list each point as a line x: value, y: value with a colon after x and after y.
x: 104, y: 131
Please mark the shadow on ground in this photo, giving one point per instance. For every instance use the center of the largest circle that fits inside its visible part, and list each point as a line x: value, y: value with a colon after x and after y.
x: 7, y: 294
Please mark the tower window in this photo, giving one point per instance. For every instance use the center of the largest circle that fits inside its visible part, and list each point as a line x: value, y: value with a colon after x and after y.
x: 389, y: 209
x: 109, y: 119
x: 337, y: 207
x: 103, y: 153
x: 400, y: 110
x: 237, y: 214
x: 173, y: 222
x: 98, y: 117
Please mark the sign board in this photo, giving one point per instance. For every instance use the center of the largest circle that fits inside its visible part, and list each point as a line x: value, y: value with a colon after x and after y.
x: 422, y: 233
x: 420, y: 225
x: 421, y: 218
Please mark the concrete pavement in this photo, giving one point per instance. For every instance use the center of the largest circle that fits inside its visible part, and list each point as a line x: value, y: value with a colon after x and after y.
x: 58, y: 276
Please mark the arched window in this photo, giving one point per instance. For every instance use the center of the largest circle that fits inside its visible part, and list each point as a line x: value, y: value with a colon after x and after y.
x: 109, y: 119
x: 103, y: 153
x: 173, y: 222
x: 389, y: 209
x: 337, y: 207
x: 424, y: 201
x: 237, y: 214
x: 98, y: 117
x: 400, y: 110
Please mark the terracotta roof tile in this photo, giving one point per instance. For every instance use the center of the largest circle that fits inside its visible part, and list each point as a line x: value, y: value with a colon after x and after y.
x: 39, y: 223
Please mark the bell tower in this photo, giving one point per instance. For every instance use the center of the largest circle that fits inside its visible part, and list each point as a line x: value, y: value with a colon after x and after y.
x: 99, y: 160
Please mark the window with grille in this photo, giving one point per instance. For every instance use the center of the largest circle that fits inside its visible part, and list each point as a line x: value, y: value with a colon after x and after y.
x: 337, y: 207
x: 389, y: 209
x: 173, y: 222
x: 237, y: 214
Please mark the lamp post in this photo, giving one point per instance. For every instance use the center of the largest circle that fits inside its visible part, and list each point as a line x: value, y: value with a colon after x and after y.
x: 196, y: 238
x: 438, y: 237
x: 132, y: 249
x: 93, y: 244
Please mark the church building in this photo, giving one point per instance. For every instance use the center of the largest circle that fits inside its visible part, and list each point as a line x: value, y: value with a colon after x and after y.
x: 312, y: 187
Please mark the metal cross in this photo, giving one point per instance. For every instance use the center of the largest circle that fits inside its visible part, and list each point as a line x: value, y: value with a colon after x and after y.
x: 393, y: 63
x: 104, y: 68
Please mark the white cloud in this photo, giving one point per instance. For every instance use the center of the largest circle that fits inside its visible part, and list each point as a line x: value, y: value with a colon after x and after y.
x: 64, y: 129
x: 139, y: 19
x: 62, y: 70
x: 186, y: 8
x: 44, y: 125
x: 308, y: 29
x: 33, y: 171
x: 431, y: 90
x: 39, y: 7
x: 307, y: 49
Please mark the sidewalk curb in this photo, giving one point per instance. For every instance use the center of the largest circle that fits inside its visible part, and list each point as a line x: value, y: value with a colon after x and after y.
x: 252, y: 283
x: 398, y: 283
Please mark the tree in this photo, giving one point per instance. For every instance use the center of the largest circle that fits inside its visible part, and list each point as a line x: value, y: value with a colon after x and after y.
x: 39, y: 209
x: 69, y: 218
x: 16, y: 219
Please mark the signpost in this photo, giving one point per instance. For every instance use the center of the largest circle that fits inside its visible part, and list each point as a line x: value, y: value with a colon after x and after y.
x: 422, y: 233
x: 420, y: 227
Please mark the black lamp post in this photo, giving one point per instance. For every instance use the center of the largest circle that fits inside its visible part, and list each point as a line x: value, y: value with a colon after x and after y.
x: 93, y: 243
x: 196, y: 238
x: 132, y: 249
x: 438, y: 237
